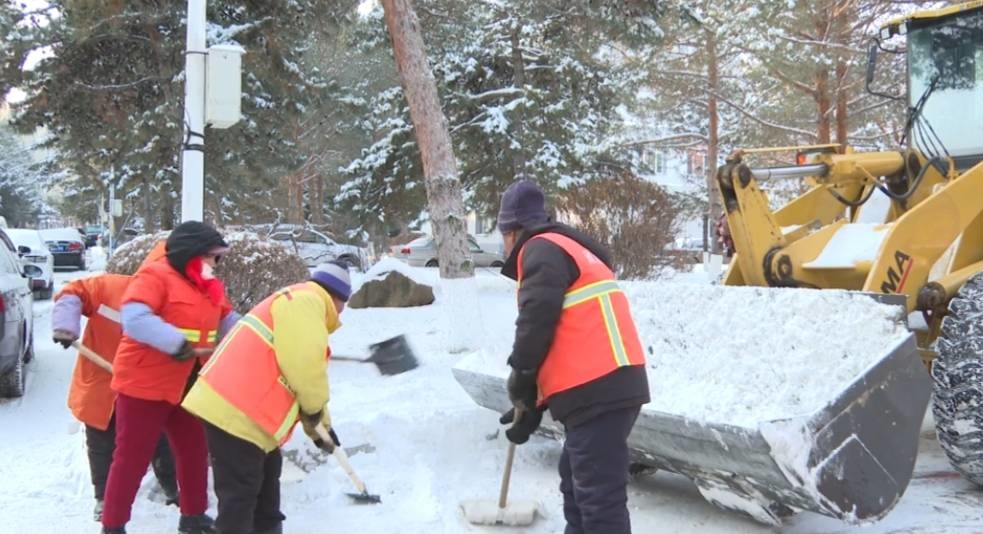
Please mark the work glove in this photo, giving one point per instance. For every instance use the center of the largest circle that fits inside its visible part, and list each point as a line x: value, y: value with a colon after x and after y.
x: 522, y: 389
x: 64, y: 338
x: 186, y: 352
x: 309, y: 421
x: 328, y: 447
x: 520, y: 430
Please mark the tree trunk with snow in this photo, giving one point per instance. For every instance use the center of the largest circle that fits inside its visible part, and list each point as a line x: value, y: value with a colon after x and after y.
x: 715, y: 208
x: 462, y: 314
x: 439, y: 165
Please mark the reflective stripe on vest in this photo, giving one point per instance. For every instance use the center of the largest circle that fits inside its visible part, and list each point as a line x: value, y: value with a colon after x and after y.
x: 582, y: 351
x: 194, y: 336
x: 244, y: 371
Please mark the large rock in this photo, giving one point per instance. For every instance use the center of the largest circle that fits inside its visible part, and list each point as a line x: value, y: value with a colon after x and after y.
x: 396, y: 290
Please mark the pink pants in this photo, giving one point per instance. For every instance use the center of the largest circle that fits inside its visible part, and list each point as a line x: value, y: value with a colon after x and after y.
x: 138, y: 426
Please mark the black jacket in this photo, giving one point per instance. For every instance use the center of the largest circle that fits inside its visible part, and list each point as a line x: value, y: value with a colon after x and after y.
x: 547, y: 273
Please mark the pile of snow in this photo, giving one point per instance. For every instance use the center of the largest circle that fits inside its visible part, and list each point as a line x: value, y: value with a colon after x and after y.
x: 743, y: 355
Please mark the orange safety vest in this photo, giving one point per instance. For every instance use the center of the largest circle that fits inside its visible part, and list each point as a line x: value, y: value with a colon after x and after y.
x: 89, y: 397
x: 595, y: 334
x: 244, y: 370
x: 144, y: 372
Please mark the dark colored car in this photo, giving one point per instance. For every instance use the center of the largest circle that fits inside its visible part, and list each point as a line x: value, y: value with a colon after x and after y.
x: 91, y: 235
x: 67, y: 246
x: 16, y: 321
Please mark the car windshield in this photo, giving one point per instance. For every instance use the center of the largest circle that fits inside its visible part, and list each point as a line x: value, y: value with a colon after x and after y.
x: 26, y: 238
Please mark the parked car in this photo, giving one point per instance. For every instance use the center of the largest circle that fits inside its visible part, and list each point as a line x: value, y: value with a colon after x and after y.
x: 16, y: 320
x: 315, y: 247
x: 91, y: 235
x: 67, y: 246
x: 422, y: 252
x: 38, y: 261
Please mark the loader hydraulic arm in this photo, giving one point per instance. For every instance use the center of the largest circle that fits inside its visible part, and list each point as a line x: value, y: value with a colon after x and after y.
x: 838, y: 182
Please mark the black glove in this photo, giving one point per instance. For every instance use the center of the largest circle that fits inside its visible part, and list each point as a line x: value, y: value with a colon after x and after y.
x: 328, y: 447
x: 520, y: 430
x: 522, y: 389
x: 63, y: 338
x: 186, y: 352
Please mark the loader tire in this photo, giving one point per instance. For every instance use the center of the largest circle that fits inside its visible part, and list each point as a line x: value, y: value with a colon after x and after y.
x: 957, y: 373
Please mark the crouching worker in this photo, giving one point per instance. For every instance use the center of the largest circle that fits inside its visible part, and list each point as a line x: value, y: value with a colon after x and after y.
x: 90, y: 398
x: 269, y: 372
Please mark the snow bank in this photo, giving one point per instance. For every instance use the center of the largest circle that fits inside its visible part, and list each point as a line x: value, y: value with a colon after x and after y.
x: 741, y: 355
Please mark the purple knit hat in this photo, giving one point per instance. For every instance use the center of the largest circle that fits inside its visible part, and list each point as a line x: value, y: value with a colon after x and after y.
x: 523, y: 204
x: 333, y: 277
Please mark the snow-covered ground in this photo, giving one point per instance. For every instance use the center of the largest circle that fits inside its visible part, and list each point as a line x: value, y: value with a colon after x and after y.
x: 431, y: 447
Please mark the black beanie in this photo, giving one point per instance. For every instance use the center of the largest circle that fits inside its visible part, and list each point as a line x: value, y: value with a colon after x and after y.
x: 190, y: 239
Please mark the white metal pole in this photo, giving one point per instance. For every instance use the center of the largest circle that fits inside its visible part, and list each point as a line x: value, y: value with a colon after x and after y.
x: 193, y: 158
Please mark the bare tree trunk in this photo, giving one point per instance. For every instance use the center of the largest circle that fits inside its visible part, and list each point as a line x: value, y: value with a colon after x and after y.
x: 822, y: 106
x: 317, y: 200
x: 295, y: 199
x: 842, y: 36
x: 715, y: 208
x: 519, y: 79
x: 440, y: 170
x: 149, y: 221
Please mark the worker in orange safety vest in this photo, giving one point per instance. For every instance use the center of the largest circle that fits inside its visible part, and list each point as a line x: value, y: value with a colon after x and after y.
x: 90, y: 398
x: 269, y: 373
x: 577, y: 353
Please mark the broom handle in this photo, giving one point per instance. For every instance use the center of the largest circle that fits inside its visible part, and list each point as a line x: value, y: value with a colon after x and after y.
x: 93, y: 357
x: 503, y: 495
x: 342, y: 457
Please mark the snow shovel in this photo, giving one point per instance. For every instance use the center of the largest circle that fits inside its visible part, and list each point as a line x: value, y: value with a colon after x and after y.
x: 363, y: 496
x: 501, y: 512
x: 392, y: 356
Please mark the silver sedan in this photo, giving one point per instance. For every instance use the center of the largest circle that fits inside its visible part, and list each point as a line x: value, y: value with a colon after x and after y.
x: 422, y: 252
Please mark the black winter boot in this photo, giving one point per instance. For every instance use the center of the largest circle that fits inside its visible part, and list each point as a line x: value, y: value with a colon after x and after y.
x: 196, y: 524
x: 171, y: 495
x: 114, y: 530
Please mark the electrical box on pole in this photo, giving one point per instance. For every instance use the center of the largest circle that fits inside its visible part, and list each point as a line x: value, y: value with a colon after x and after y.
x: 223, y: 85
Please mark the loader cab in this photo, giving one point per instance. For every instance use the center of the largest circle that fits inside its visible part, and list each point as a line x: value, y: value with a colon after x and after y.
x: 949, y: 52
x: 945, y: 80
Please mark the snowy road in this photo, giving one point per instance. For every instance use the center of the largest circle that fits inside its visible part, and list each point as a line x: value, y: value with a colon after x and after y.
x: 431, y: 451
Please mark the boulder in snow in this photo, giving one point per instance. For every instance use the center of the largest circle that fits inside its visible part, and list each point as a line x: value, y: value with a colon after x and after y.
x: 395, y: 290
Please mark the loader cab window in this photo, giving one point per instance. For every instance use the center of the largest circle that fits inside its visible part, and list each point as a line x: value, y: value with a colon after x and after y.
x: 948, y: 51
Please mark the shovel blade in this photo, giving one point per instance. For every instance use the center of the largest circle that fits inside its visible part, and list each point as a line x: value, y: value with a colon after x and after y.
x: 365, y: 498
x: 393, y: 356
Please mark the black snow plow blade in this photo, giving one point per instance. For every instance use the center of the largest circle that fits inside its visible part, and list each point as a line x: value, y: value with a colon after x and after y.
x: 851, y: 459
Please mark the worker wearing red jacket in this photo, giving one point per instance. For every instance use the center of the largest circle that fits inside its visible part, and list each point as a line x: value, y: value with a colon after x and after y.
x: 173, y: 306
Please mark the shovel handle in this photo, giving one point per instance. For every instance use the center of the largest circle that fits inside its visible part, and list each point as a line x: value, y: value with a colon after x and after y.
x: 93, y: 357
x: 341, y: 358
x: 503, y: 495
x: 342, y: 457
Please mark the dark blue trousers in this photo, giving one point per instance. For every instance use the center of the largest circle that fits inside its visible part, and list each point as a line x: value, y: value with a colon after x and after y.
x: 594, y: 474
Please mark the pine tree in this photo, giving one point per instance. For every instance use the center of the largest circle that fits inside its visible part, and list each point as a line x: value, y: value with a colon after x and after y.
x: 111, y: 96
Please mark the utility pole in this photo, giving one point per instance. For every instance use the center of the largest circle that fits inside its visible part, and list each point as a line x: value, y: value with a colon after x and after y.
x: 193, y: 157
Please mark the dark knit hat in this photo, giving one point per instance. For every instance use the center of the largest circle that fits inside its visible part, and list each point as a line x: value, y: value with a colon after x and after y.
x: 333, y: 277
x: 190, y: 239
x: 522, y: 204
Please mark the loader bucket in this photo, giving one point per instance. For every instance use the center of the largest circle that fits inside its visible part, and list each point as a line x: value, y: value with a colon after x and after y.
x: 851, y: 459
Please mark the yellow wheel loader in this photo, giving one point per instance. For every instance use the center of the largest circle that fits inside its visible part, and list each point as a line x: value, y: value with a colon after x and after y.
x: 905, y: 223
x: 904, y: 226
